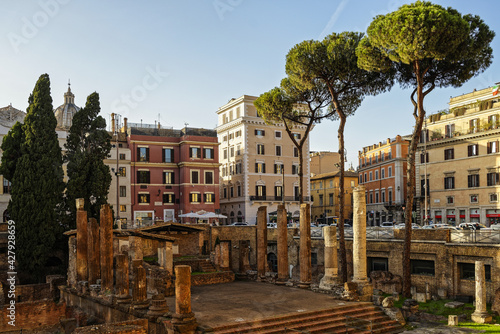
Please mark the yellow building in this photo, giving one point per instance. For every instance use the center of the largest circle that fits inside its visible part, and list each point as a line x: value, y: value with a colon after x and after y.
x: 325, y: 194
x: 252, y: 155
x: 463, y: 161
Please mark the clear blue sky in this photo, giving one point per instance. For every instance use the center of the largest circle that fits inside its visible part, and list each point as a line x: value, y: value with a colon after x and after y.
x: 184, y: 59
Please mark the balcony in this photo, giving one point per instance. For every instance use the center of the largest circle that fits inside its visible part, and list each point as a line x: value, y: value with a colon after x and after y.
x: 278, y: 198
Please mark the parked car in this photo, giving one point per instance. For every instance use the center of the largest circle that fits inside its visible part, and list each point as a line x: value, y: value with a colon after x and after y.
x: 239, y: 224
x: 387, y: 224
x: 272, y: 225
x: 401, y: 226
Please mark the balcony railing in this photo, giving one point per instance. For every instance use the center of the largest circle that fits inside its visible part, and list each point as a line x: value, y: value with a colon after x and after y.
x: 278, y: 198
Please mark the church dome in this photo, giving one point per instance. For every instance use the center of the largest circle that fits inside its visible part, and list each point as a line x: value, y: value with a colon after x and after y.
x: 64, y: 113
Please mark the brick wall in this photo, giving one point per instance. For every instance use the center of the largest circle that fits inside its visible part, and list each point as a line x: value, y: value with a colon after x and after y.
x: 212, y: 278
x: 424, y: 234
x: 32, y: 315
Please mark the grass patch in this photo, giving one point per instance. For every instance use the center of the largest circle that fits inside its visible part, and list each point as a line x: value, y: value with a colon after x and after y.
x: 488, y: 328
x: 186, y: 257
x: 150, y: 259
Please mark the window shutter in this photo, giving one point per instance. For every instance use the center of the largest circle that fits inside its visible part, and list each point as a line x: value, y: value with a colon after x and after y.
x: 173, y: 177
x: 198, y: 155
x: 138, y: 154
x: 275, y: 169
x: 263, y: 150
x: 164, y: 177
x: 264, y: 191
x: 256, y: 167
x: 147, y: 154
x: 212, y: 153
x: 255, y: 132
x: 256, y: 190
x: 263, y: 168
x: 453, y: 183
x: 263, y: 132
x: 488, y: 148
x: 148, y: 177
x: 138, y: 177
x: 205, y: 198
x: 163, y: 155
x: 204, y: 153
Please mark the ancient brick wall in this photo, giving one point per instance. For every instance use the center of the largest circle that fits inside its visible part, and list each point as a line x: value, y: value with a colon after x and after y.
x: 32, y: 315
x: 424, y: 234
x: 212, y: 278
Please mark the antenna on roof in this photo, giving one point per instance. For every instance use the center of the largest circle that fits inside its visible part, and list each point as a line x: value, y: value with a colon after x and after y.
x: 186, y: 124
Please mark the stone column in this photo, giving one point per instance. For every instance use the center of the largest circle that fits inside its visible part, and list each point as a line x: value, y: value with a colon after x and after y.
x: 331, y: 264
x: 158, y: 306
x: 93, y: 251
x: 480, y: 315
x: 135, y: 248
x: 224, y: 256
x: 106, y: 240
x: 81, y: 241
x: 122, y: 283
x: 282, y: 246
x: 261, y: 242
x: 244, y: 263
x: 139, y: 291
x: 161, y: 253
x: 217, y: 257
x: 72, y: 262
x: 305, y: 246
x: 169, y: 258
x: 183, y: 320
x: 365, y: 289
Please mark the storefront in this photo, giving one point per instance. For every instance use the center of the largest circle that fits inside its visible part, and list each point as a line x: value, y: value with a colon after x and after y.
x: 450, y: 217
x: 492, y: 216
x: 475, y: 216
x: 438, y: 218
x: 462, y: 216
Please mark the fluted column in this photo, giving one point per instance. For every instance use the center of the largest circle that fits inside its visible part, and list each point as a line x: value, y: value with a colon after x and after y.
x: 305, y: 246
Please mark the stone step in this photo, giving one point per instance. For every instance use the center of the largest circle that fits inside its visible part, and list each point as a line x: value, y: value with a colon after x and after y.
x: 330, y: 320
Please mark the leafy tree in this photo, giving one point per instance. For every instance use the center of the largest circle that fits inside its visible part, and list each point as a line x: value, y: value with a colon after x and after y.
x: 37, y: 182
x: 87, y: 146
x: 292, y: 106
x: 11, y: 147
x: 333, y: 63
x: 429, y: 46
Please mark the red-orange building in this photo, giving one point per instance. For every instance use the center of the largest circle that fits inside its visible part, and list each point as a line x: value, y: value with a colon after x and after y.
x: 173, y: 172
x: 382, y: 170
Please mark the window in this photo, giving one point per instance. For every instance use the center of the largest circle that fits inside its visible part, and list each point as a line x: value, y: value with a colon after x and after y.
x: 371, y: 198
x: 259, y: 132
x: 492, y: 147
x: 376, y: 197
x: 194, y: 198
x: 277, y: 134
x: 123, y: 208
x: 168, y: 178
x: 295, y: 169
x: 278, y: 151
x: 143, y: 154
x: 224, y: 192
x: 424, y: 158
x: 238, y: 168
x: 382, y: 173
x: 278, y: 193
x: 371, y: 176
x: 122, y: 171
x: 278, y: 168
x: 468, y: 271
x: 143, y: 198
x: 449, y: 154
x: 238, y: 133
x: 168, y: 155
x: 209, y: 177
x: 238, y: 190
x: 474, y: 199
x: 450, y: 200
x: 493, y: 198
x: 424, y: 136
x: 360, y: 179
x: 142, y: 176
x: 376, y: 175
x: 314, y: 259
x: 231, y: 136
x: 449, y: 182
x: 320, y: 199
x: 449, y: 130
x: 296, y: 136
x: 224, y: 138
x: 492, y: 179
x: 330, y: 199
x: 260, y: 149
x: 208, y: 153
x: 389, y: 171
x: 194, y: 176
x: 473, y: 125
x: 365, y: 177
x: 224, y: 153
x: 232, y: 151
x: 473, y: 150
x: 389, y: 197
x: 238, y: 150
x: 260, y: 192
x: 383, y: 196
x: 123, y: 191
x: 169, y: 198
x: 423, y: 185
x: 422, y: 267
x: 377, y: 263
x: 209, y: 197
x: 231, y: 192
x: 194, y: 152
x: 122, y: 156
x: 260, y: 167
x: 295, y: 152
x: 473, y: 180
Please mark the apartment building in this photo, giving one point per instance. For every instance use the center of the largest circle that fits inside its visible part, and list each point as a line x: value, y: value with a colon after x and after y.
x: 172, y: 172
x: 324, y: 162
x: 253, y: 155
x: 459, y: 154
x: 382, y: 170
x: 325, y: 194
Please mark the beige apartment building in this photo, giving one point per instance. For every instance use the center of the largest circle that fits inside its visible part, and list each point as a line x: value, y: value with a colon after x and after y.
x: 461, y: 146
x: 252, y: 155
x: 324, y: 162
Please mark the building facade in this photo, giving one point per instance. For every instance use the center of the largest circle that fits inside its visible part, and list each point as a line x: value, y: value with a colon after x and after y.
x: 382, y: 170
x: 324, y: 162
x: 172, y: 172
x: 325, y: 194
x: 463, y: 161
x: 253, y: 155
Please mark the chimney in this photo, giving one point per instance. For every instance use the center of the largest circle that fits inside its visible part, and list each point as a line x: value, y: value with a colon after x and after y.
x: 125, y: 125
x: 113, y: 122
x: 159, y: 127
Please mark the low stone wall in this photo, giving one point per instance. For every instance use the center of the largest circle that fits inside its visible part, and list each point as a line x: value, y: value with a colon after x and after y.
x: 32, y: 292
x: 424, y: 234
x: 32, y: 315
x: 212, y: 278
x: 139, y: 326
x: 194, y: 264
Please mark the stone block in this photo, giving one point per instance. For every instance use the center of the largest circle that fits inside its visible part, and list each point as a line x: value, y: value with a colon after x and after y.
x: 421, y: 297
x: 377, y: 300
x: 453, y: 320
x: 496, y: 302
x: 395, y: 314
x: 442, y: 293
x: 388, y: 302
x: 481, y: 318
x: 350, y: 286
x: 454, y: 304
x: 386, y: 282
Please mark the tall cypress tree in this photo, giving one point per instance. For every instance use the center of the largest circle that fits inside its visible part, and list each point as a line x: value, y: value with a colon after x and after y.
x: 37, y: 183
x: 87, y: 146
